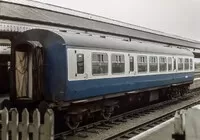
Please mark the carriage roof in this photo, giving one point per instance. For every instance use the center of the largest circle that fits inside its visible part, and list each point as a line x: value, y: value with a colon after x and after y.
x: 96, y: 42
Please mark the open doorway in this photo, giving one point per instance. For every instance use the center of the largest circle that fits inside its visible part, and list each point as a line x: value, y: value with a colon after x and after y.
x: 28, y: 70
x: 23, y: 72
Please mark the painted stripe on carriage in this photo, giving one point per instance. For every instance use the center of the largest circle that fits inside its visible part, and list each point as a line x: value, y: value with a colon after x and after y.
x: 112, y: 86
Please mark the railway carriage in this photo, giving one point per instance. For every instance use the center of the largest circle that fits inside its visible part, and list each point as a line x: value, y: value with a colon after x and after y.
x: 80, y: 75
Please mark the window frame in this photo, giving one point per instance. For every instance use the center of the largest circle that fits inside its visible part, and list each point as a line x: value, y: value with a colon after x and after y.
x: 117, y: 60
x: 169, y: 57
x: 181, y: 58
x: 154, y: 62
x: 164, y: 62
x: 186, y: 63
x: 143, y: 62
x: 100, y: 60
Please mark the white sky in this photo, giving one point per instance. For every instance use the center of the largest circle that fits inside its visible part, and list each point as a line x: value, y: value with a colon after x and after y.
x: 179, y: 17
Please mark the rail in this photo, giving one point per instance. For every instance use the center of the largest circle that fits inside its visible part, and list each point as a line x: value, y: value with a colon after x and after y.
x: 147, y: 125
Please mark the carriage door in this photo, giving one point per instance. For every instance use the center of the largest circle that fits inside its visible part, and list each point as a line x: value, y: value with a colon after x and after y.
x: 174, y: 67
x: 175, y: 64
x: 28, y: 71
x: 80, y: 65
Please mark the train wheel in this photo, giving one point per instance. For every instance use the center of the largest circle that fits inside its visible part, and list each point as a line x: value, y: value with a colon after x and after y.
x: 184, y: 91
x: 107, y: 112
x: 171, y: 96
x: 73, y: 121
x: 174, y: 93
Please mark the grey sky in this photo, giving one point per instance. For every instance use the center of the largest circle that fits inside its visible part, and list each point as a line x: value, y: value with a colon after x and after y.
x: 179, y: 17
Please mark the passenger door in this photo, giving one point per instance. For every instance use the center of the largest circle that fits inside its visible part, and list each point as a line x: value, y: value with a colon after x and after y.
x: 174, y: 67
x: 77, y: 64
x: 132, y: 64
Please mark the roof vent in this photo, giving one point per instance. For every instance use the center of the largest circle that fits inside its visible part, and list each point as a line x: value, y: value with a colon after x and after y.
x: 63, y: 30
x: 102, y: 36
x: 126, y: 40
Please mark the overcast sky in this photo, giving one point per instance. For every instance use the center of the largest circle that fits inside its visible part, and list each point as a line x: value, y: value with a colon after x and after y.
x: 179, y: 17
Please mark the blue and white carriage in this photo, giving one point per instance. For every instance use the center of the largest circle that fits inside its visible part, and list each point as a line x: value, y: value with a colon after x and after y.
x: 75, y: 72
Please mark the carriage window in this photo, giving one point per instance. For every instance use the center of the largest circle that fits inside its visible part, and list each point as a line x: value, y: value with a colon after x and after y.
x: 186, y: 64
x: 169, y: 64
x: 180, y: 64
x: 118, y: 64
x: 153, y: 64
x: 191, y: 64
x: 163, y: 64
x: 131, y: 59
x: 142, y: 64
x: 99, y: 63
x: 80, y: 63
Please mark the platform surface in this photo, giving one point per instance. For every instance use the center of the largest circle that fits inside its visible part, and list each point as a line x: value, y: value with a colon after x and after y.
x: 163, y: 131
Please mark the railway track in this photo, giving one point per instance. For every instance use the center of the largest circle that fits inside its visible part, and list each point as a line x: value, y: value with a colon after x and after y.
x: 147, y: 125
x: 129, y: 124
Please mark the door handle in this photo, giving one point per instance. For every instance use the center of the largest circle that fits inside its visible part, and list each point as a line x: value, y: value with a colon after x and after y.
x: 86, y: 76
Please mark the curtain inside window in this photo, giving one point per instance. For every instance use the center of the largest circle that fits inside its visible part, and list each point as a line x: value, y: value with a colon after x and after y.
x: 22, y: 73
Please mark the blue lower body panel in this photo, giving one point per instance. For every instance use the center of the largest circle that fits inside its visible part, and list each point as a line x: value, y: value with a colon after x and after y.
x: 99, y: 87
